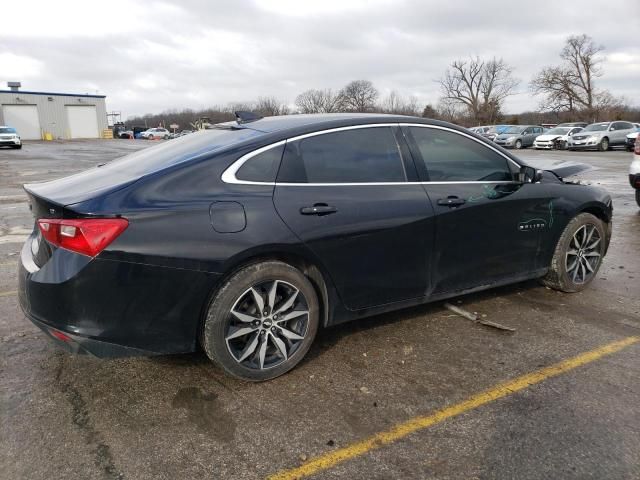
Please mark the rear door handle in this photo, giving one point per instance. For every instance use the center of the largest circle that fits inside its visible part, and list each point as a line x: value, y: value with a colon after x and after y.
x: 451, y: 201
x: 318, y: 209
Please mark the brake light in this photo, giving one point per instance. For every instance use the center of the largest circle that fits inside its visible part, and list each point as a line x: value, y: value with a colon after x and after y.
x: 88, y: 236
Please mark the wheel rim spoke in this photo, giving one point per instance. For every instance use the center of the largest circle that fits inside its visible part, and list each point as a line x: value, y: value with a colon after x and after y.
x: 250, y: 348
x: 243, y: 317
x: 280, y: 345
x: 272, y: 296
x: 290, y: 335
x: 291, y: 315
x: 258, y: 299
x: 588, y: 265
x: 289, y: 303
x: 240, y: 332
x: 262, y: 353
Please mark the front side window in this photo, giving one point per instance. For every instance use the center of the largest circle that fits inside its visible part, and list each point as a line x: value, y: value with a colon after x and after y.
x: 362, y: 155
x: 452, y: 157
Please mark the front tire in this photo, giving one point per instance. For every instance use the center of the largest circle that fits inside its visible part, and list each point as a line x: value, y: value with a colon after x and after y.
x: 518, y: 144
x: 578, y: 254
x: 638, y: 197
x: 261, y: 322
x: 604, y: 144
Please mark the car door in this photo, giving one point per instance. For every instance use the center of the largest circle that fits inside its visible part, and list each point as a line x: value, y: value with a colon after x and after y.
x: 621, y: 129
x: 344, y: 193
x: 487, y: 224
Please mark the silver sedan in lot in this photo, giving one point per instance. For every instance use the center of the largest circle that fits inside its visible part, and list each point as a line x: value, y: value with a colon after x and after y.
x: 519, y: 136
x: 601, y: 136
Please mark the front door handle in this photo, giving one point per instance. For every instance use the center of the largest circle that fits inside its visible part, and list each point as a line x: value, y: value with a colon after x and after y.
x: 318, y: 209
x: 451, y: 201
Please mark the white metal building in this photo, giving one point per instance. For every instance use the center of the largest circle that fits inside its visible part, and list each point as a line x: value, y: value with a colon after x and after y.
x: 36, y: 115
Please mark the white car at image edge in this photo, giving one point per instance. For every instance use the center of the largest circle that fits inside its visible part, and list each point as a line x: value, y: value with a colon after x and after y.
x: 634, y: 170
x: 9, y: 137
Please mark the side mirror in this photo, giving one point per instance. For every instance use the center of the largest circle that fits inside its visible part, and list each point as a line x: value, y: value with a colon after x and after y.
x: 529, y: 175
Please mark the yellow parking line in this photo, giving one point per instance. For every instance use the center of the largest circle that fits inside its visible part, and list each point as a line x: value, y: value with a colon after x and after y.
x: 9, y: 293
x: 331, y: 459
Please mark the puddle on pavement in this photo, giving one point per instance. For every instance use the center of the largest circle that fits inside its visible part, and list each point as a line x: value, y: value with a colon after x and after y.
x: 206, y: 412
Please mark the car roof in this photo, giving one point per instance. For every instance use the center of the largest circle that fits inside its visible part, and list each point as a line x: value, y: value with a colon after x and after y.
x: 320, y: 120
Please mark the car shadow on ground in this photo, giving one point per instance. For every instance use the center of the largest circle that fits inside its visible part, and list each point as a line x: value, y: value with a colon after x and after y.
x: 328, y: 337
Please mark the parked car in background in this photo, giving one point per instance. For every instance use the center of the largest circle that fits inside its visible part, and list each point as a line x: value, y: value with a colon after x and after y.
x: 228, y: 238
x: 494, y: 131
x: 125, y: 134
x: 573, y: 124
x: 180, y: 134
x: 601, y: 136
x: 519, y: 136
x: 555, y: 138
x: 631, y: 138
x: 481, y: 130
x: 9, y: 137
x: 155, y: 134
x: 634, y: 170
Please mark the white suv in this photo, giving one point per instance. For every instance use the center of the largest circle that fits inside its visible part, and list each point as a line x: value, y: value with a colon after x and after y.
x: 155, y: 133
x: 9, y: 137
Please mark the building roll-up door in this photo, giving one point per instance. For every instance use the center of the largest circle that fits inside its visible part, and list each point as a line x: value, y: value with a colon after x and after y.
x: 83, y: 121
x: 24, y: 118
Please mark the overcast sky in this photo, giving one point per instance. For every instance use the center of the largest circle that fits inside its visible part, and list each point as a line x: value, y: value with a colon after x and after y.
x: 151, y: 56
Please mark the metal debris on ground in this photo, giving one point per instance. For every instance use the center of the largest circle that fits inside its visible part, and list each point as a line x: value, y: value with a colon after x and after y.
x: 476, y: 318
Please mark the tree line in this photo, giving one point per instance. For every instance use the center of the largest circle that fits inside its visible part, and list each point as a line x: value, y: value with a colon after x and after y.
x: 473, y: 92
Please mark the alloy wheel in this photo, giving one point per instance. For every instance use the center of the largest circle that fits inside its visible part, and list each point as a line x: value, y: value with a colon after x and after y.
x: 583, y: 256
x: 267, y: 324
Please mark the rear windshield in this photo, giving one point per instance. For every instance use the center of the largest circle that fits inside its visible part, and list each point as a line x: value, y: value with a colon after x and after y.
x: 514, y: 130
x: 7, y: 130
x: 596, y: 127
x: 178, y: 150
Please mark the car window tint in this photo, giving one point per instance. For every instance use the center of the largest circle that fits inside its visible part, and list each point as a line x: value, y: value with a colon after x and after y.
x: 262, y: 167
x: 349, y: 156
x: 452, y: 157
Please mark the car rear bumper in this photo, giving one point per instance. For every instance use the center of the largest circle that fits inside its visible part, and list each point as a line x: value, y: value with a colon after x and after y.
x: 112, y: 308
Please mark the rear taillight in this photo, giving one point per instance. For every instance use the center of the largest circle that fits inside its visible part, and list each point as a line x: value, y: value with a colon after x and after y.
x: 88, y: 236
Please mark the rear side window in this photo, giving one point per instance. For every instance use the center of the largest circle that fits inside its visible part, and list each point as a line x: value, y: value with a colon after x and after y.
x: 360, y: 155
x: 262, y: 167
x: 452, y: 157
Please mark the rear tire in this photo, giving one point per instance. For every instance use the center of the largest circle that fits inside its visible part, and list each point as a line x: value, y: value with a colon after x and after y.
x: 638, y: 197
x: 261, y: 322
x: 18, y: 147
x: 578, y: 254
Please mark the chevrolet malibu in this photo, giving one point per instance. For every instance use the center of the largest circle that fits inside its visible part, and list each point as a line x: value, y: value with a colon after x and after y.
x: 245, y: 239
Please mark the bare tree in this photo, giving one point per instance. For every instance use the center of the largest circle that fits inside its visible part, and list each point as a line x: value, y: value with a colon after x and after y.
x: 481, y: 86
x: 396, y: 104
x: 450, y: 110
x: 571, y: 85
x: 358, y: 96
x: 318, y: 101
x: 270, y: 106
